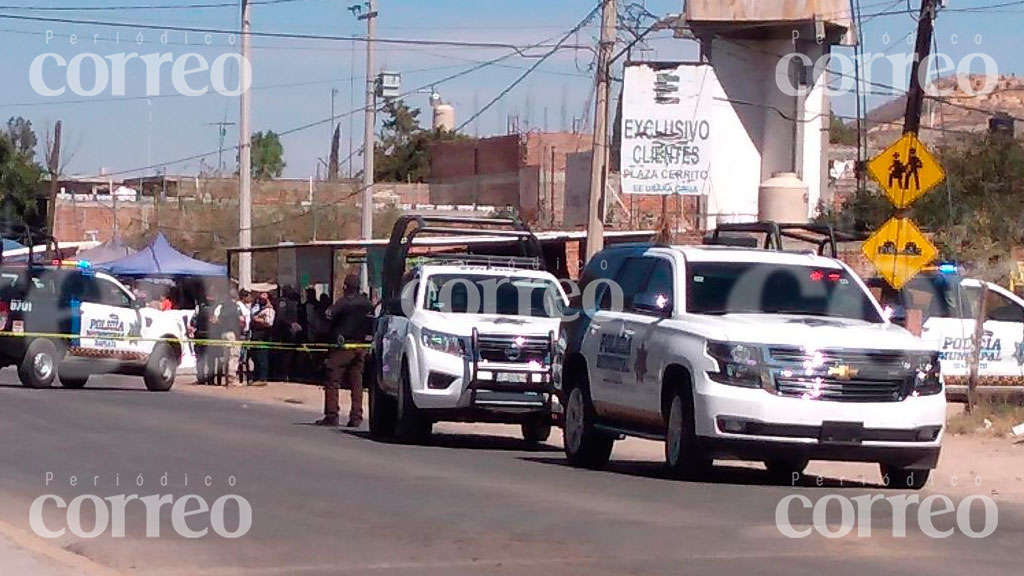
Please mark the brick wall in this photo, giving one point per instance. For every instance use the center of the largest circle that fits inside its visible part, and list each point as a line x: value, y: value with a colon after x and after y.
x: 525, y: 171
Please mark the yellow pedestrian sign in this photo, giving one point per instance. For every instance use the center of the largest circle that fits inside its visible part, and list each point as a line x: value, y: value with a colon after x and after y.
x: 899, y: 250
x: 906, y: 171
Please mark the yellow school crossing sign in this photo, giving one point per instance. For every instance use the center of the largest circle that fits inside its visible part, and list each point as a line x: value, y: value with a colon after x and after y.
x: 899, y: 250
x: 906, y: 171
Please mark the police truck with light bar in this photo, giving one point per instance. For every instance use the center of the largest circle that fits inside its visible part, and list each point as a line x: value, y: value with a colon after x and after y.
x: 467, y: 329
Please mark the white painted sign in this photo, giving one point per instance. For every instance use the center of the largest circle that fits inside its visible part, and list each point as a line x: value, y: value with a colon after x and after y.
x: 667, y: 128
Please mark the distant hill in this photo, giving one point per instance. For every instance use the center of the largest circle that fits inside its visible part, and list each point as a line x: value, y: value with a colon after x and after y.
x: 885, y: 122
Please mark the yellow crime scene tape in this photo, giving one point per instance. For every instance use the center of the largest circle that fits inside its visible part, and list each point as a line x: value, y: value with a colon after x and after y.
x: 263, y: 345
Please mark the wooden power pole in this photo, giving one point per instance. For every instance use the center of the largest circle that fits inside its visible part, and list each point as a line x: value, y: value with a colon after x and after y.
x: 922, y: 49
x: 51, y: 204
x: 599, y: 160
x: 975, y: 360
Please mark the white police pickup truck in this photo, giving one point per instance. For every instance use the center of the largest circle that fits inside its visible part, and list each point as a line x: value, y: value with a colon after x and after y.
x: 466, y: 330
x: 731, y: 353
x: 65, y: 323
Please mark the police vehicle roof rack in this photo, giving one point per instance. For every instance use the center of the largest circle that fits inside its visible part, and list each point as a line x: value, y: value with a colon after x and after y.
x: 476, y: 231
x: 514, y: 262
x: 824, y: 236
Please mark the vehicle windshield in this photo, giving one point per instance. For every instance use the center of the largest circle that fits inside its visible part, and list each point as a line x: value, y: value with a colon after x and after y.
x: 488, y: 294
x: 756, y: 288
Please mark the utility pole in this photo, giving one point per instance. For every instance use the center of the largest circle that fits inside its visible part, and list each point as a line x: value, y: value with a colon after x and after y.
x: 222, y: 132
x: 370, y: 122
x: 244, y: 159
x: 51, y: 205
x: 113, y: 204
x: 599, y: 162
x: 915, y: 95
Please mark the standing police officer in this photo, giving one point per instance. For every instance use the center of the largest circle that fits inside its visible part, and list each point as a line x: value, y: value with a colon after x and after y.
x: 351, y: 323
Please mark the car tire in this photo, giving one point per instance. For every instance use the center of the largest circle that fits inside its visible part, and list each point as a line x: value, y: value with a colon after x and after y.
x: 38, y: 369
x: 898, y: 478
x: 781, y: 470
x: 74, y: 382
x: 536, y: 430
x: 584, y: 445
x: 683, y: 455
x: 161, y: 368
x: 411, y: 426
x: 383, y: 408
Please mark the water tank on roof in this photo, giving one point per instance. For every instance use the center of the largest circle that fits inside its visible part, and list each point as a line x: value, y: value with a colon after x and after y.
x: 444, y: 117
x: 782, y: 198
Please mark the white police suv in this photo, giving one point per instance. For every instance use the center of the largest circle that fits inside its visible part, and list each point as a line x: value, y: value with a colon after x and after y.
x: 731, y: 353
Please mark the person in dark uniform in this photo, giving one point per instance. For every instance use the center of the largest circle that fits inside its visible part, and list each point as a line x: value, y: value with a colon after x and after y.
x: 350, y: 320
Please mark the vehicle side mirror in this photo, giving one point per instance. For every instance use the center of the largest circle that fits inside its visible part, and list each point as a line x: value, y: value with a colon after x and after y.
x: 653, y: 303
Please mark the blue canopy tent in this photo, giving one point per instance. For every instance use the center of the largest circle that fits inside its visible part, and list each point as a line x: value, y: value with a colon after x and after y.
x: 160, y: 259
x: 109, y: 251
x: 11, y: 245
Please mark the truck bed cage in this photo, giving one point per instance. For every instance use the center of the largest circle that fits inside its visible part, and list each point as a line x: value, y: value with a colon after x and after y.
x: 515, y: 262
x: 823, y: 236
x: 480, y: 232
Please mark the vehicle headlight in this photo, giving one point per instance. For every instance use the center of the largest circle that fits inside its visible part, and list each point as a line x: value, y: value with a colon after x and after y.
x: 738, y: 364
x: 443, y: 342
x: 927, y: 377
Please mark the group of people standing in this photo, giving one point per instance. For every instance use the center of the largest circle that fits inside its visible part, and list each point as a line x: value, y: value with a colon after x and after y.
x: 276, y: 330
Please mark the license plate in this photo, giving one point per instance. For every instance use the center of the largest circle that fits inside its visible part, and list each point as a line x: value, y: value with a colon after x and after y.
x: 510, y: 378
x: 18, y: 327
x: 842, y: 433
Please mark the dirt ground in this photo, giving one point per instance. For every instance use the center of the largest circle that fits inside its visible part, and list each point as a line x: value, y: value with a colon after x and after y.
x: 972, y: 463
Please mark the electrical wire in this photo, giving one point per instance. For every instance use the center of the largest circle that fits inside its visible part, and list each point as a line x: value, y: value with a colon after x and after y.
x: 520, y: 50
x: 590, y: 16
x: 425, y: 86
x: 147, y: 7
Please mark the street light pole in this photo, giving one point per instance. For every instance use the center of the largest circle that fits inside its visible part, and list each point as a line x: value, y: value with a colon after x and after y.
x: 368, y: 143
x: 244, y: 159
x: 599, y: 159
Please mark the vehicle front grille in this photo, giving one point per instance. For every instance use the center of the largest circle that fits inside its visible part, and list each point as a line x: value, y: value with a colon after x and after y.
x: 512, y: 348
x: 842, y: 390
x: 874, y: 359
x: 842, y: 375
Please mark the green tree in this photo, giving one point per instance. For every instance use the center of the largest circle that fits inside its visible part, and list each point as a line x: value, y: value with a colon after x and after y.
x: 402, y: 153
x: 839, y: 132
x: 19, y: 181
x: 22, y: 136
x: 267, y: 156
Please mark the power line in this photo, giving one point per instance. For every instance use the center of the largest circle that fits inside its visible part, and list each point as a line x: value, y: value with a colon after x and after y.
x: 520, y: 50
x: 529, y: 70
x: 147, y: 7
x: 329, y: 119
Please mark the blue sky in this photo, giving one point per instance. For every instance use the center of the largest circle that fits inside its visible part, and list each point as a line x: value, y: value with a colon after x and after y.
x: 293, y: 78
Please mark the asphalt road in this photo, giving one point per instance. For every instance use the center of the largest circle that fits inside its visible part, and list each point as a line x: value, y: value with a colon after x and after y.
x: 334, y: 502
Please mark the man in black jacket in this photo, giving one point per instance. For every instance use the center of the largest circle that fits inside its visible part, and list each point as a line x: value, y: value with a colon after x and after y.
x: 351, y: 322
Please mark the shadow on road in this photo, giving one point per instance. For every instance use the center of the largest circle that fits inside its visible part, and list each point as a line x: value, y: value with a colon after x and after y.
x: 86, y: 390
x: 470, y: 441
x: 720, y: 474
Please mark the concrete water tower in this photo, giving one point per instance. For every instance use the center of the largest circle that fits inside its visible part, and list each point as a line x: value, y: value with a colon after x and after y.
x: 444, y: 114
